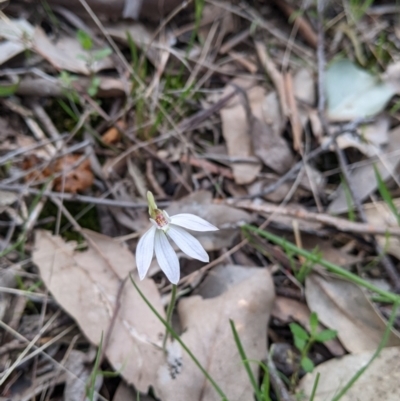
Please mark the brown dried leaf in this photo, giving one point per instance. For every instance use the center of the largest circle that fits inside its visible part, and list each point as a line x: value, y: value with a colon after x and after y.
x: 272, y: 114
x: 343, y: 306
x: 208, y: 335
x: 272, y: 149
x: 379, y: 382
x: 86, y: 284
x: 112, y: 135
x: 77, y: 176
x: 18, y: 33
x: 237, y: 134
x: 304, y: 86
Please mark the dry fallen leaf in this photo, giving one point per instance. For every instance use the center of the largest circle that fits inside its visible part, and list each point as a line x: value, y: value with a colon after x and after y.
x: 18, y: 34
x: 87, y: 283
x: 379, y: 382
x: 112, y: 135
x: 76, y: 174
x: 343, y: 306
x: 207, y: 333
x: 237, y: 134
x: 272, y: 149
x: 226, y: 218
x: 272, y: 114
x: 77, y: 178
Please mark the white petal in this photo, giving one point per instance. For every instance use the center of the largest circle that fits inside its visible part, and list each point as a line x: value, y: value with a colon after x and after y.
x: 166, y: 257
x: 144, y: 252
x: 192, y: 222
x: 187, y: 243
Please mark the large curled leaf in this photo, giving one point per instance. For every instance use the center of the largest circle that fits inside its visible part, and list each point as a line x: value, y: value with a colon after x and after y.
x: 207, y: 333
x: 354, y: 93
x: 86, y: 284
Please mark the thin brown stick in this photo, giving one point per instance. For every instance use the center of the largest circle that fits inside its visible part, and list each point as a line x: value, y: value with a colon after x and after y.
x: 208, y: 166
x: 274, y: 74
x: 304, y: 27
x: 302, y: 214
x: 25, y: 190
x: 297, y: 128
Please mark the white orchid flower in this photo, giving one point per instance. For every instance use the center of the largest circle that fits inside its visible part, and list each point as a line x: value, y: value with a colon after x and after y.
x: 156, y: 240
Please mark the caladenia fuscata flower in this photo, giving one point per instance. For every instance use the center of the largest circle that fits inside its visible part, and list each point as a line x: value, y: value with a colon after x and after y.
x: 156, y: 240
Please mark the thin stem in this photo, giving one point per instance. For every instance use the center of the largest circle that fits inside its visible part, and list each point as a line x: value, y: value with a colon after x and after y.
x: 314, y: 390
x: 382, y: 344
x: 170, y: 310
x: 331, y: 267
x: 182, y: 344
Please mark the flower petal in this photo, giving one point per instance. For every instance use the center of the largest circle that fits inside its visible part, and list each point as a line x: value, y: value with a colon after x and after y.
x: 166, y: 257
x: 144, y: 252
x: 187, y: 243
x: 192, y: 222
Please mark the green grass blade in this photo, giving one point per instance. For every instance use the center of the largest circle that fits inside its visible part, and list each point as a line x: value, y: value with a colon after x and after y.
x: 349, y: 199
x: 374, y: 356
x: 331, y: 267
x: 92, y: 383
x: 314, y: 389
x: 245, y: 361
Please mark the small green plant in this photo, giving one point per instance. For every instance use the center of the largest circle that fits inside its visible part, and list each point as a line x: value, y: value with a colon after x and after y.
x: 91, y: 57
x: 359, y: 7
x: 303, y: 341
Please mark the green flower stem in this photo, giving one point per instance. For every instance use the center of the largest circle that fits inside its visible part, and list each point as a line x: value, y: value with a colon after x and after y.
x: 331, y: 267
x: 170, y: 310
x: 182, y: 344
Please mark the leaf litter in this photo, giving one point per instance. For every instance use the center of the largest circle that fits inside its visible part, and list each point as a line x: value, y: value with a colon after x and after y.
x: 215, y: 107
x: 99, y: 279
